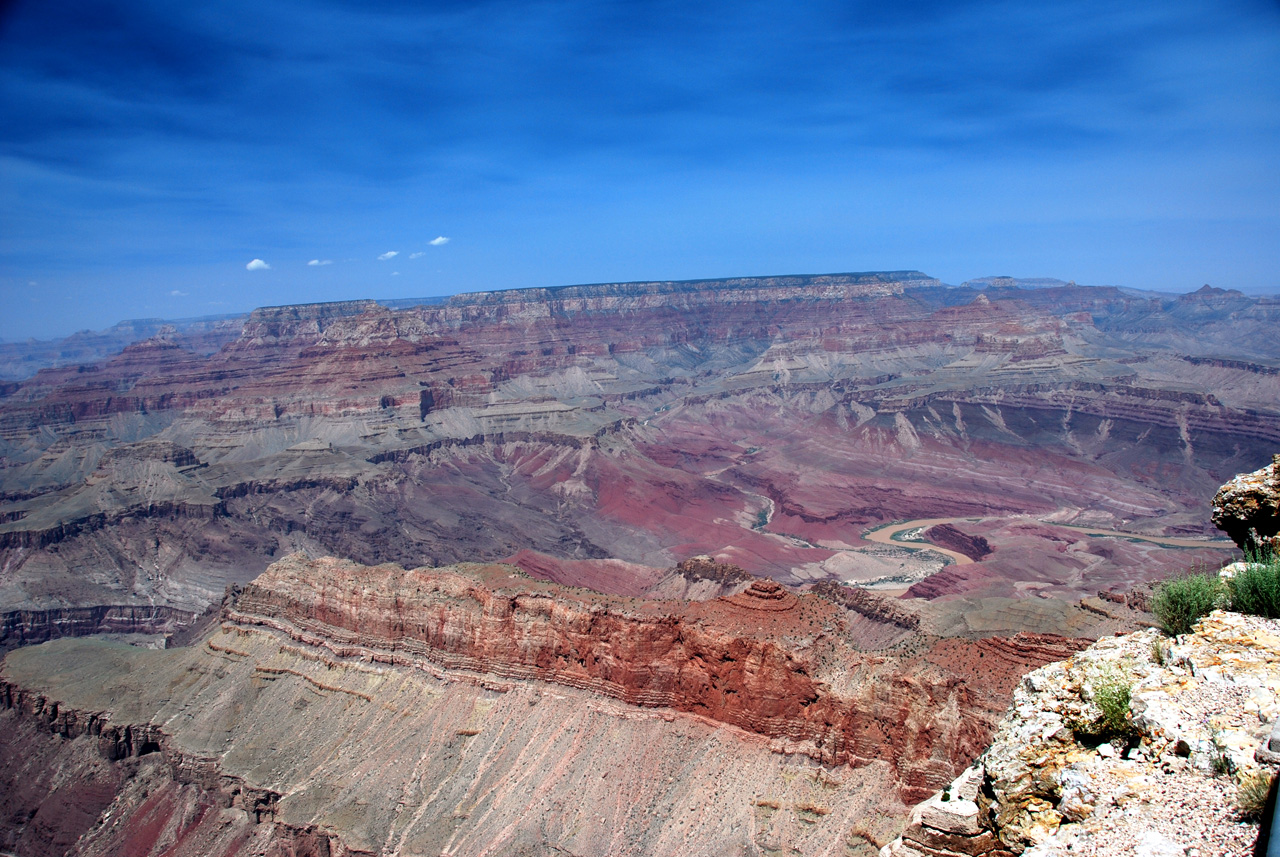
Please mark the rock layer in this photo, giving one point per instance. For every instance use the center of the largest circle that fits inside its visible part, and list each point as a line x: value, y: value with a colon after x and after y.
x: 24, y: 627
x: 332, y: 756
x: 473, y: 709
x: 763, y: 659
x: 764, y: 422
x: 947, y: 536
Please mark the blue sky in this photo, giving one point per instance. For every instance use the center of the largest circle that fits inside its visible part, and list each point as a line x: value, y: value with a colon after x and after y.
x: 150, y: 151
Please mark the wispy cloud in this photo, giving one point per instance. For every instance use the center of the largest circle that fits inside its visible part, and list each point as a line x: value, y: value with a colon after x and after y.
x: 317, y: 262
x: 395, y: 273
x: 257, y: 265
x: 438, y: 240
x: 178, y: 294
x: 390, y: 254
x: 417, y: 255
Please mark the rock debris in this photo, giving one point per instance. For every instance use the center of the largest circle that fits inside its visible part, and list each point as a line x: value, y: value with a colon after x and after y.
x: 1057, y: 781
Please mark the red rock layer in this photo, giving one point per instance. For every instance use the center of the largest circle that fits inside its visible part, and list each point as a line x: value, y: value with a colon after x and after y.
x: 764, y: 660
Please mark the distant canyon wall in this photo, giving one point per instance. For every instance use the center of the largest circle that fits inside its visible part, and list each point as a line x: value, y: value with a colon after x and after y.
x: 768, y: 421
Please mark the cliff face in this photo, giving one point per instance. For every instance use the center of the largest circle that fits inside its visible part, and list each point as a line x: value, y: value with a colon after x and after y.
x: 947, y: 536
x: 762, y: 660
x: 25, y: 627
x: 767, y: 422
x: 470, y: 709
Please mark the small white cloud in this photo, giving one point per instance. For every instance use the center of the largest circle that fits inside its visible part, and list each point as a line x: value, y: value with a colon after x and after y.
x: 417, y: 255
x: 438, y: 240
x: 257, y: 265
x: 177, y: 294
x: 317, y: 262
x: 390, y: 254
x: 395, y: 273
x: 32, y: 283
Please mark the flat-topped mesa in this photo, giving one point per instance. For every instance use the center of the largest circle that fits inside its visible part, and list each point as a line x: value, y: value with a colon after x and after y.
x: 728, y: 289
x: 269, y: 325
x: 764, y: 660
x: 315, y: 312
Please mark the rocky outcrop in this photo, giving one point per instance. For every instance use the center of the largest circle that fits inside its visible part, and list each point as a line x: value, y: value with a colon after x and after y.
x: 875, y: 607
x: 955, y: 821
x: 947, y: 536
x: 1248, y: 509
x: 697, y: 579
x: 104, y: 787
x: 705, y: 568
x: 1137, y: 743
x: 26, y: 627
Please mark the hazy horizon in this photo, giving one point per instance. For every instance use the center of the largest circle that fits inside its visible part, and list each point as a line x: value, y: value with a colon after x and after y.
x: 232, y: 313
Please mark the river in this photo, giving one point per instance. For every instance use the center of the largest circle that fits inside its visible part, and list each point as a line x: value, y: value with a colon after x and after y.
x: 885, y: 533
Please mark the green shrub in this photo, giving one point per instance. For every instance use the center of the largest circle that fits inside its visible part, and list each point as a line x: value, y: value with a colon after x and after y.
x: 1112, y: 693
x: 1256, y: 590
x: 1107, y: 717
x: 1179, y: 602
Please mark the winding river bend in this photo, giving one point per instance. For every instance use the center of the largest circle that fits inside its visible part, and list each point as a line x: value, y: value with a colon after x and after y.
x: 885, y: 535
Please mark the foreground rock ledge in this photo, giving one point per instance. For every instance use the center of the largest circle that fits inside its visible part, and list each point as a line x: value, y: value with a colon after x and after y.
x: 1203, y: 707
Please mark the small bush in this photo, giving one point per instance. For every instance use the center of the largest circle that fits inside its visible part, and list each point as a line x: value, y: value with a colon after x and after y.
x: 1159, y: 652
x: 1179, y: 602
x: 1251, y: 794
x: 1219, y: 757
x: 1256, y: 590
x: 1112, y: 693
x: 1107, y: 717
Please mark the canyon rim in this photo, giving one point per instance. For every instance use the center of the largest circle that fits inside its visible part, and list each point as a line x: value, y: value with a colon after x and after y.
x: 729, y: 566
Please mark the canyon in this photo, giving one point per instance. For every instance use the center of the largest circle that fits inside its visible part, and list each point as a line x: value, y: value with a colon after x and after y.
x: 768, y: 422
x: 733, y: 566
